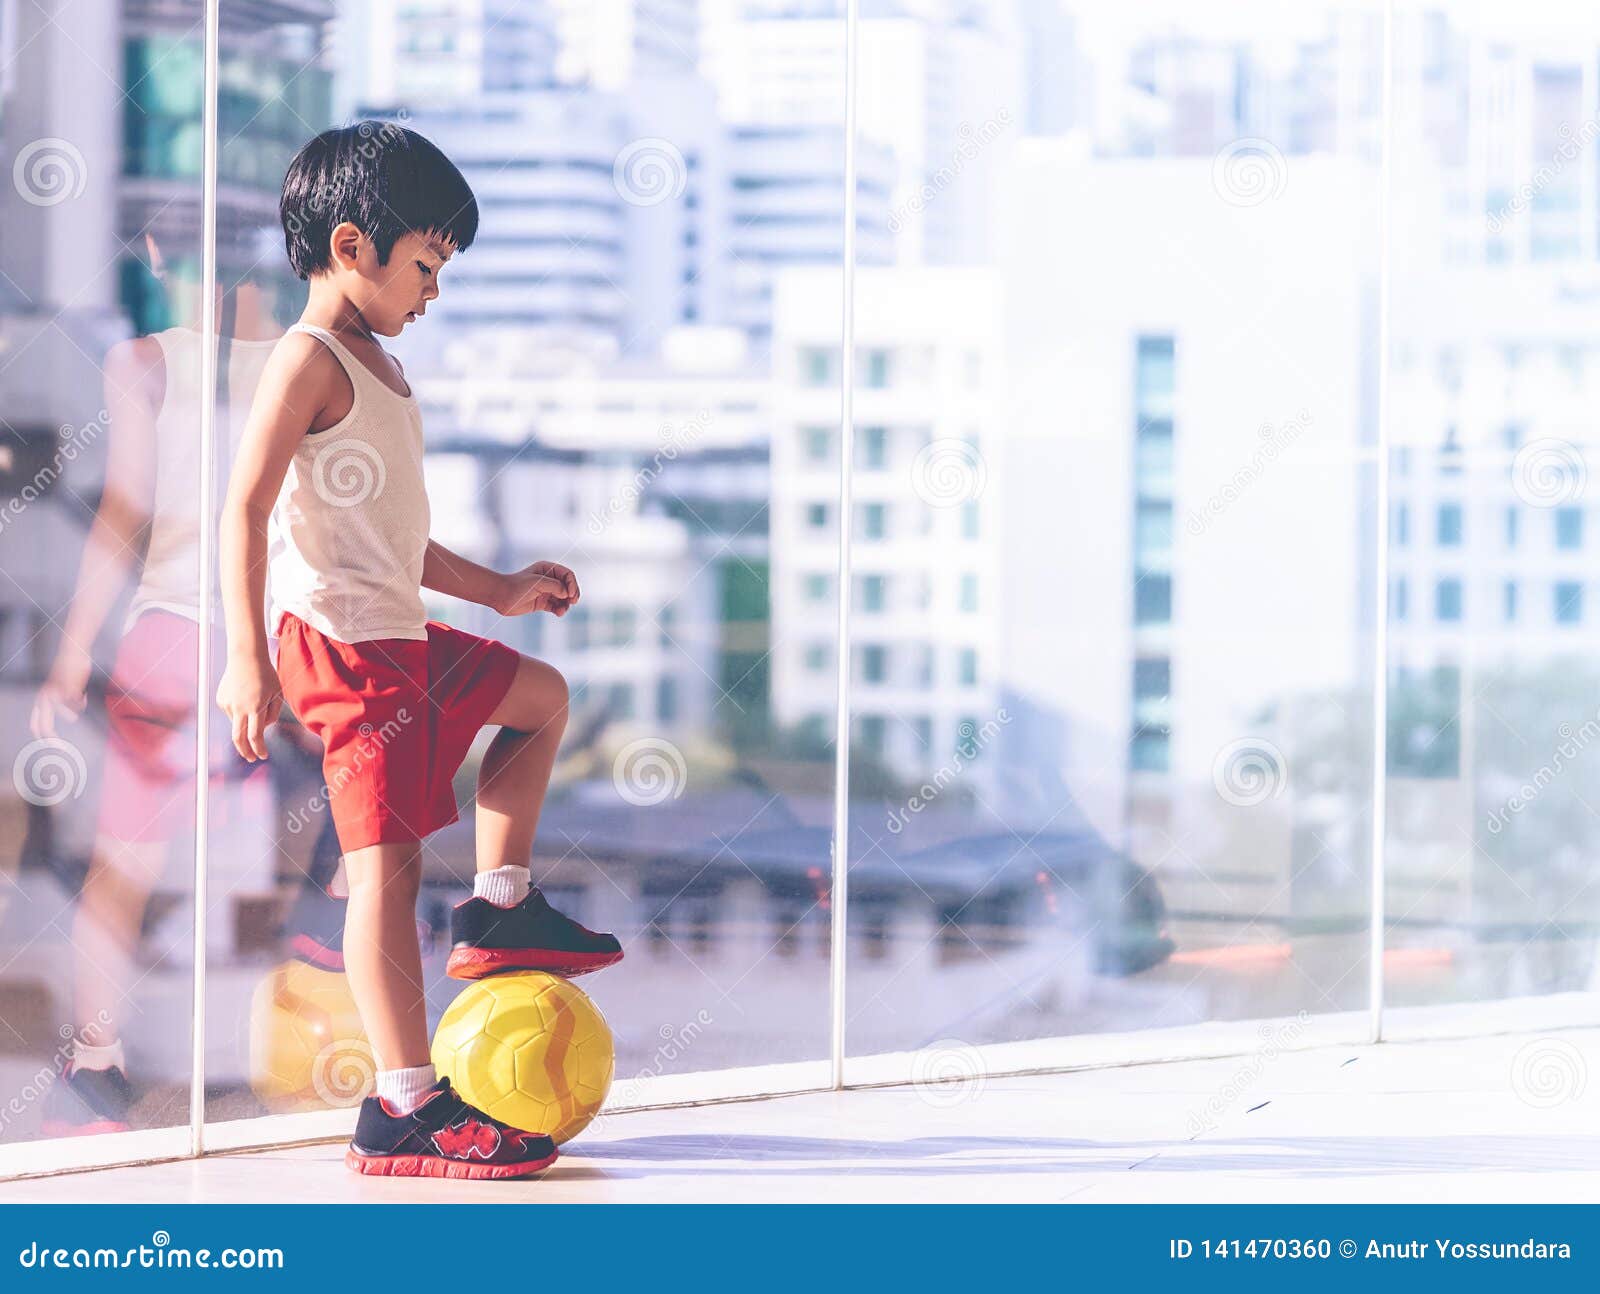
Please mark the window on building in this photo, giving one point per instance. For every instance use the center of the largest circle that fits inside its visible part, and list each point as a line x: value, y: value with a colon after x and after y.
x: 874, y: 664
x: 1569, y: 602
x: 1569, y: 528
x: 1447, y: 600
x: 1153, y: 388
x: 873, y: 520
x: 1152, y: 599
x: 1449, y: 525
x: 969, y: 592
x: 1509, y: 601
x: 870, y: 734
x: 578, y: 628
x: 619, y: 700
x: 816, y: 366
x: 967, y: 666
x: 873, y: 448
x: 872, y: 592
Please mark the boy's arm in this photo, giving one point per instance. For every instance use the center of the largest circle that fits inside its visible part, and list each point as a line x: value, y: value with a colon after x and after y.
x: 543, y: 586
x: 299, y: 380
x: 116, y: 536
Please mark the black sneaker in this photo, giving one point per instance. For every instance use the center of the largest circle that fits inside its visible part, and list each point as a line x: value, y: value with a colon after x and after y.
x: 443, y: 1137
x: 487, y: 939
x: 83, y: 1102
x: 315, y: 928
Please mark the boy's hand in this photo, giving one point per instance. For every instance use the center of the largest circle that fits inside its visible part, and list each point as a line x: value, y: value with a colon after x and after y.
x: 544, y: 586
x: 251, y: 696
x: 62, y: 695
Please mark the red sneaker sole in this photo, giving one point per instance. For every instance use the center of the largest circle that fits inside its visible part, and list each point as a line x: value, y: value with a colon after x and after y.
x: 309, y: 950
x: 433, y: 1166
x: 53, y: 1128
x: 476, y: 963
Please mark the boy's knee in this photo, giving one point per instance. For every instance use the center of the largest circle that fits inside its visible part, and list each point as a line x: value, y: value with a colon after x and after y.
x: 543, y: 698
x: 560, y: 694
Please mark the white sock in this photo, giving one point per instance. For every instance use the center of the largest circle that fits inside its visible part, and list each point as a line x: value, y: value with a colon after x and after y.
x: 505, y: 887
x: 108, y: 1056
x: 404, y: 1089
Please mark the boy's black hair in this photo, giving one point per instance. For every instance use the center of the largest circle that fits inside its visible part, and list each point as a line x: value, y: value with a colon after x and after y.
x: 385, y: 179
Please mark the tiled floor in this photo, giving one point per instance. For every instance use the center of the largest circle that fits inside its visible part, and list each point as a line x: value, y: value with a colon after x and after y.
x: 1495, y: 1119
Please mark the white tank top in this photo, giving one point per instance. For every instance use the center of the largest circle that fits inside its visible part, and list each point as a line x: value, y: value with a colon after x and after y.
x: 350, y: 529
x: 169, y: 579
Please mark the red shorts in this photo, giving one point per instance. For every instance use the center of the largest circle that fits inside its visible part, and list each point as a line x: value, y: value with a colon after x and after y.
x: 396, y: 717
x: 149, y: 785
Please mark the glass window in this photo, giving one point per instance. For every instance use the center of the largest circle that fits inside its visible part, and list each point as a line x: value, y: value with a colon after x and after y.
x: 101, y: 524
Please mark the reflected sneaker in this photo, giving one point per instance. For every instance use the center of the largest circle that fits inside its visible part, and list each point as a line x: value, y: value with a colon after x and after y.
x: 443, y: 1137
x: 487, y: 939
x: 315, y: 927
x: 83, y: 1102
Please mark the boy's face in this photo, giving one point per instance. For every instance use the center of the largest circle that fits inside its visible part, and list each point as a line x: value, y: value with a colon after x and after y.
x: 393, y: 295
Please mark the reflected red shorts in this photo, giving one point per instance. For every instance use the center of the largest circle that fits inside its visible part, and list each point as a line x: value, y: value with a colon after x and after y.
x: 149, y: 783
x: 396, y: 717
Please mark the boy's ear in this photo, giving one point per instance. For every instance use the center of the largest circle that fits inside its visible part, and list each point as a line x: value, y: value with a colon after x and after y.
x: 344, y: 243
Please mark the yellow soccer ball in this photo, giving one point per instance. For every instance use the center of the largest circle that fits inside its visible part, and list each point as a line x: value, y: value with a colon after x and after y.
x: 307, y: 1047
x: 529, y: 1049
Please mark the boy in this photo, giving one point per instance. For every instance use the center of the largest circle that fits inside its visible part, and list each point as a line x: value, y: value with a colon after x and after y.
x: 331, y: 465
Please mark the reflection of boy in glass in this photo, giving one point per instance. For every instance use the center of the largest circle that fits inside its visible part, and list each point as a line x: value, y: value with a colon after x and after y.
x: 147, y: 522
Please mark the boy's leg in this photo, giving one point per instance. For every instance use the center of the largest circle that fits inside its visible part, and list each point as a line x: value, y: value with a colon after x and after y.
x: 516, y: 769
x: 506, y: 926
x: 105, y: 932
x: 382, y: 958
